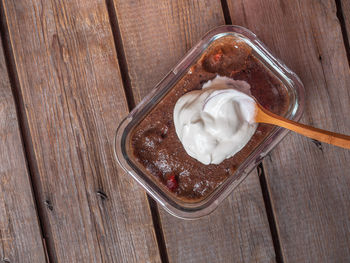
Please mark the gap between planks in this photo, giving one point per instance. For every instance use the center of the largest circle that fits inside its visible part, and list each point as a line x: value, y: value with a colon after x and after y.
x: 23, y: 126
x: 118, y: 43
x: 226, y: 12
x: 269, y: 213
x: 340, y: 16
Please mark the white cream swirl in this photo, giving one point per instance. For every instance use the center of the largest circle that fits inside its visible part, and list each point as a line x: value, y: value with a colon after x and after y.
x: 216, y: 122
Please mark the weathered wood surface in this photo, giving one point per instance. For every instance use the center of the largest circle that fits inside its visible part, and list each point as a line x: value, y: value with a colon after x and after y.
x: 155, y: 36
x: 72, y: 99
x: 20, y: 238
x: 237, y: 231
x: 309, y: 183
x: 69, y: 80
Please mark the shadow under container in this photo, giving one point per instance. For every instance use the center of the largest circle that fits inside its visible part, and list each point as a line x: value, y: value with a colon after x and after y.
x: 188, y: 209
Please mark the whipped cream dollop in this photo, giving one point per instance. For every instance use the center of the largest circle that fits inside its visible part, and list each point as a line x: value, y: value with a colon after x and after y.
x: 216, y: 122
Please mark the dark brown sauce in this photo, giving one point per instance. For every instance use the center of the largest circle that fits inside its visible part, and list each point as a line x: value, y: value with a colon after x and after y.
x: 156, y: 146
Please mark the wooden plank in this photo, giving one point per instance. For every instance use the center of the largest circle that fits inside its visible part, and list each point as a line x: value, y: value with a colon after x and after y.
x: 20, y: 238
x: 238, y: 231
x: 308, y: 182
x: 73, y: 100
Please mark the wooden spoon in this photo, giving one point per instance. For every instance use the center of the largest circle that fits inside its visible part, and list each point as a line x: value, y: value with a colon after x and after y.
x: 264, y: 116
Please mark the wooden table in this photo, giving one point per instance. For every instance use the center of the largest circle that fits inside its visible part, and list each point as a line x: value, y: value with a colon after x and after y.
x: 72, y: 69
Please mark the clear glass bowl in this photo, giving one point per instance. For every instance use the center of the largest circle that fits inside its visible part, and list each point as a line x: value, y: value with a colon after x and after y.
x: 192, y: 210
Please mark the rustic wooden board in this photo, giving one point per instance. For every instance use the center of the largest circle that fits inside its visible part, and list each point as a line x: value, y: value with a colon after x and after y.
x: 237, y: 231
x: 20, y: 238
x: 155, y: 36
x: 73, y: 100
x: 309, y: 182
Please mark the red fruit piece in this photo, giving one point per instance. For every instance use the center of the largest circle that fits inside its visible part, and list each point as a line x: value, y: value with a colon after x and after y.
x: 171, y: 182
x: 217, y: 56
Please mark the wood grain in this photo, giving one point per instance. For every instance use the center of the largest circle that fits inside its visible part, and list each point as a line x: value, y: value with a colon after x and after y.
x: 73, y: 100
x: 20, y: 238
x: 309, y: 182
x: 155, y: 36
x: 237, y: 231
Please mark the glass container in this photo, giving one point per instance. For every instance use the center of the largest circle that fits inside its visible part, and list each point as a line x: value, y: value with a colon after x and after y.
x: 189, y: 209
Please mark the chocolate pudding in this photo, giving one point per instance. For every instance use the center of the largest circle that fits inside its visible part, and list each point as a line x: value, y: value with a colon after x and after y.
x: 155, y: 144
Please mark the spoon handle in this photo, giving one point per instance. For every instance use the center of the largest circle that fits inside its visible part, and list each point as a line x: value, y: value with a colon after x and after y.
x: 265, y: 116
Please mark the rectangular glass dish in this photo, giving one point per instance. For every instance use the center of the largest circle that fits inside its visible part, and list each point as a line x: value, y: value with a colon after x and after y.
x: 146, y: 145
